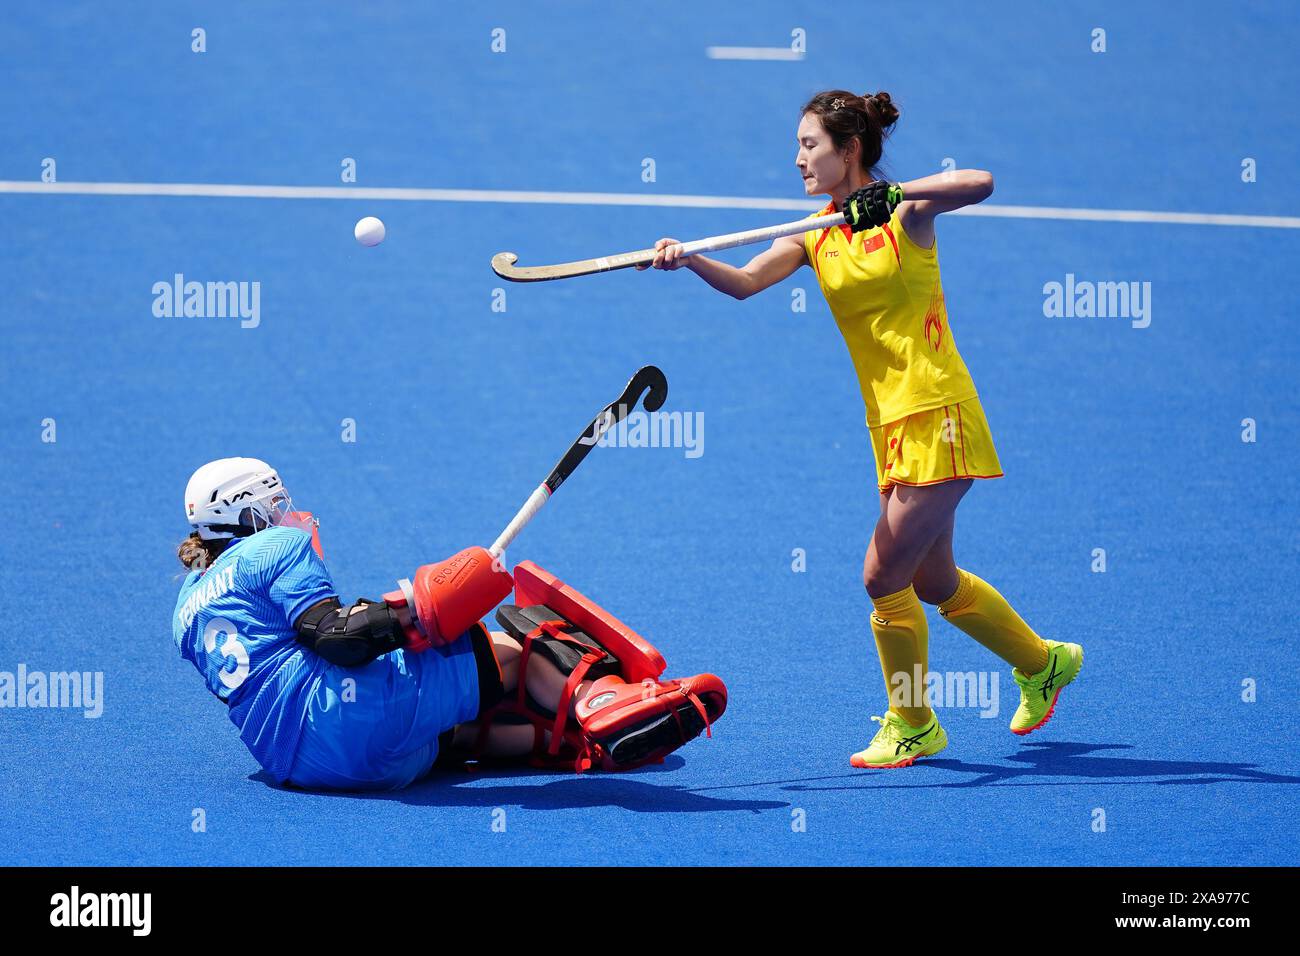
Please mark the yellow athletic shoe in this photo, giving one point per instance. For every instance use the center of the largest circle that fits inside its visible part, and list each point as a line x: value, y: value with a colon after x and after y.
x: 1038, y: 693
x: 898, y: 744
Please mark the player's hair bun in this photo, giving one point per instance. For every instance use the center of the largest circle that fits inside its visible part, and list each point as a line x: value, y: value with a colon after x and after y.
x: 883, y: 106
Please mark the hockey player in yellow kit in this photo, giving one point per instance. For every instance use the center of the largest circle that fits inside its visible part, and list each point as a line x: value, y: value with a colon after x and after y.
x: 880, y: 276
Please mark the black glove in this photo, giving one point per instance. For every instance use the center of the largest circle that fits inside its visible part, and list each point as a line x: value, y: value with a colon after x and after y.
x: 872, y: 205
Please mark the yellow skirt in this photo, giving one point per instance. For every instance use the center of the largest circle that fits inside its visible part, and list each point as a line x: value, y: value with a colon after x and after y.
x: 942, y: 444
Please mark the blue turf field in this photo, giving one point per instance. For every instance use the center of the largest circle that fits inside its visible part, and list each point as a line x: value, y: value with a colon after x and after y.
x: 1111, y: 437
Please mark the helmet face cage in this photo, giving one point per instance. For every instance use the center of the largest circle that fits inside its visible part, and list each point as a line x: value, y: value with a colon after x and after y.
x: 269, y: 511
x: 301, y: 520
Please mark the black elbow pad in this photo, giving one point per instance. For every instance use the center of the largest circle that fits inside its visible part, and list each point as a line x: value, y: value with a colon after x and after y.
x: 350, y: 636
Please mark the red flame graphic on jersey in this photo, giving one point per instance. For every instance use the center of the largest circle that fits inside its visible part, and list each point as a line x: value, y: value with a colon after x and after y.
x: 934, y: 320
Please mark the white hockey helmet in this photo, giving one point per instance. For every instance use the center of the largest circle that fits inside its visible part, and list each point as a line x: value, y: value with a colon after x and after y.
x: 234, y: 497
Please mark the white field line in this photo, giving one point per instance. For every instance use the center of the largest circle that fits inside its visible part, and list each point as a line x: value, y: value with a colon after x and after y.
x: 752, y: 53
x: 388, y: 194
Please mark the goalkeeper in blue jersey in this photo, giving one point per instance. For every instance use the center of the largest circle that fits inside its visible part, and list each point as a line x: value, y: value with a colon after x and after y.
x: 372, y: 694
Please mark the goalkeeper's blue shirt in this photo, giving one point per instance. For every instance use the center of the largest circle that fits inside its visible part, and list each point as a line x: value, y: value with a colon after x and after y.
x: 234, y: 622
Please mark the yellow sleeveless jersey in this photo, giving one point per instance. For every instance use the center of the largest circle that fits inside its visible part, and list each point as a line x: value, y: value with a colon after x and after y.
x: 885, y: 294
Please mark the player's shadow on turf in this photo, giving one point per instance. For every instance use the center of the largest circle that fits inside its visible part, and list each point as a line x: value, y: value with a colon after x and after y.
x: 1065, y: 759
x: 1077, y: 760
x: 573, y: 791
x: 1046, y: 759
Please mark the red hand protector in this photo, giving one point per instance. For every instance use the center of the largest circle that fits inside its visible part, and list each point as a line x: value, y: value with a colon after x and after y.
x: 454, y: 594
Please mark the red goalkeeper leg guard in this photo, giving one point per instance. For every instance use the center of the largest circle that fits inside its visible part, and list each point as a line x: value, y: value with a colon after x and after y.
x: 628, y: 717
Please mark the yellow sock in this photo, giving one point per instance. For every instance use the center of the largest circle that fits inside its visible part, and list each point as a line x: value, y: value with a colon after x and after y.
x: 903, y: 640
x: 978, y: 609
